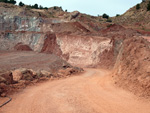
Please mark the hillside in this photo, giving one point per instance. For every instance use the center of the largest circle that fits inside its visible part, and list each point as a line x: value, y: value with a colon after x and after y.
x: 135, y: 18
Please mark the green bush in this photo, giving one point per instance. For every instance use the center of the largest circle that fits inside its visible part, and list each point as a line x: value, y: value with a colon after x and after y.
x: 21, y: 4
x: 41, y: 7
x: 46, y: 8
x: 35, y: 6
x: 9, y: 1
x: 138, y: 6
x: 117, y: 15
x: 105, y: 16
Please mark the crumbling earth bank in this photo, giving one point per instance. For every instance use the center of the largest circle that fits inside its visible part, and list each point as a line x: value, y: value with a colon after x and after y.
x: 132, y: 68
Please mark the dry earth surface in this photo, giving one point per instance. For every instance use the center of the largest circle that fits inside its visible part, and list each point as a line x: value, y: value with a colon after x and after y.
x: 91, y: 92
x: 11, y: 60
x: 44, y: 42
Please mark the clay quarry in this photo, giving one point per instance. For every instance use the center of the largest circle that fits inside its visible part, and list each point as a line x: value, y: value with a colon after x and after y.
x: 53, y: 61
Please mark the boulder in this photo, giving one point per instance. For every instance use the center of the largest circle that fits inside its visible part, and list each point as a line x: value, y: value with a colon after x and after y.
x: 74, y: 14
x: 27, y: 74
x: 46, y: 73
x: 17, y: 75
x: 23, y: 74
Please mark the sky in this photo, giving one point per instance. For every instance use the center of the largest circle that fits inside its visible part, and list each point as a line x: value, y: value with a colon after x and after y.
x: 92, y: 7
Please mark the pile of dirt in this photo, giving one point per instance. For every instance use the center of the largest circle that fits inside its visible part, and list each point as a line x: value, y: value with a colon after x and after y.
x: 132, y: 68
x: 22, y: 47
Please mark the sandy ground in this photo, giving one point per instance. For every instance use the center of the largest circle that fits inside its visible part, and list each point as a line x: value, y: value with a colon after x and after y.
x: 10, y: 60
x: 91, y: 92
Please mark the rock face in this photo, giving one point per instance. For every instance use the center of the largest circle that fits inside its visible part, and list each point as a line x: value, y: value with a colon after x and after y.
x: 50, y: 35
x: 50, y: 44
x: 135, y: 18
x: 83, y: 50
x: 72, y: 15
x: 132, y: 68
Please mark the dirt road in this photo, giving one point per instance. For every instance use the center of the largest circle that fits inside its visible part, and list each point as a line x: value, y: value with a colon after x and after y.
x: 91, y: 92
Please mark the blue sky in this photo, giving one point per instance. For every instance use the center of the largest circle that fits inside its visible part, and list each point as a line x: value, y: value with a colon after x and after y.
x: 92, y: 7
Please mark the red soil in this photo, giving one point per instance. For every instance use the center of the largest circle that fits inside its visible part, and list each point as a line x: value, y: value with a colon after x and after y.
x: 132, y: 69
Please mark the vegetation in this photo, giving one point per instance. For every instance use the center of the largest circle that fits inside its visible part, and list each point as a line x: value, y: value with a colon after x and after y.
x: 41, y: 7
x: 138, y: 6
x: 105, y: 16
x: 45, y: 8
x: 35, y: 6
x: 117, y: 15
x: 55, y: 7
x: 21, y: 4
x: 9, y: 1
x: 148, y: 7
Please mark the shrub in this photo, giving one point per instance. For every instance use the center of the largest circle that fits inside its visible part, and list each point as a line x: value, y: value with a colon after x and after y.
x: 105, y: 16
x: 117, y: 15
x: 9, y: 1
x: 46, y: 8
x: 35, y: 6
x: 41, y: 7
x: 21, y: 4
x: 138, y: 6
x: 55, y: 7
x: 148, y: 6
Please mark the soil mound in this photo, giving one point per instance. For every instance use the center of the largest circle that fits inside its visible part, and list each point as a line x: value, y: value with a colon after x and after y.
x: 133, y: 66
x: 22, y: 47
